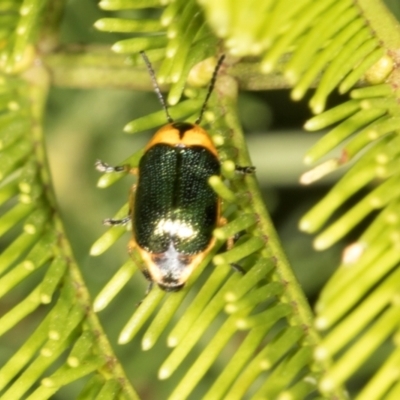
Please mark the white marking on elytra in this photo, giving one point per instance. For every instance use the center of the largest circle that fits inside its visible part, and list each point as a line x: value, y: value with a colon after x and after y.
x: 175, y: 228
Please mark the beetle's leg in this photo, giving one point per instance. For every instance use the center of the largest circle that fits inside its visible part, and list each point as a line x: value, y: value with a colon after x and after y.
x: 125, y: 220
x: 245, y: 169
x: 104, y: 167
x: 237, y: 268
x: 116, y: 222
x: 151, y: 284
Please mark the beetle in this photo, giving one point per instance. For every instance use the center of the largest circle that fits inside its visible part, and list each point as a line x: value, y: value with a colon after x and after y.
x: 173, y: 209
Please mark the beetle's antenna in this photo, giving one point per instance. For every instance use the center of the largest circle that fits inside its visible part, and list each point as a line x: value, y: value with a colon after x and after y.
x: 210, y: 89
x: 155, y: 85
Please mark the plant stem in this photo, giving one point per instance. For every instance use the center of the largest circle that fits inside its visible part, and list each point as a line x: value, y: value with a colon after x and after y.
x: 383, y: 23
x: 96, y: 66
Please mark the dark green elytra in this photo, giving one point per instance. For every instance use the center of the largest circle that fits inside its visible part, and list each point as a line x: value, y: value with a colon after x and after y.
x: 174, y: 204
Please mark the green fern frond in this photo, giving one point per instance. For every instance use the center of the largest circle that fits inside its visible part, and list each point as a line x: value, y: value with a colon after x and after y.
x: 262, y: 317
x: 365, y: 285
x: 359, y: 302
x: 40, y: 249
x: 265, y: 302
x: 340, y: 43
x: 180, y: 37
x: 330, y: 41
x: 37, y: 262
x: 257, y: 303
x: 19, y: 33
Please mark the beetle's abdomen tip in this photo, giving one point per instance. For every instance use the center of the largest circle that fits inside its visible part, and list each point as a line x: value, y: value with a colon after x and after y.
x: 171, y: 286
x: 169, y: 270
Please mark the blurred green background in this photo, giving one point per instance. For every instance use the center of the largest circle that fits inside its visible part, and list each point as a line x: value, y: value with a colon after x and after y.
x: 85, y: 125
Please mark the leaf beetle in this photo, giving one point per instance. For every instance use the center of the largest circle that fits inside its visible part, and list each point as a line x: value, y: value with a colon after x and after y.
x: 173, y: 209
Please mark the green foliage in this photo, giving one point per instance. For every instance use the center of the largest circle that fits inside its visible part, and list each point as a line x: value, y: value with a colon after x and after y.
x: 262, y: 318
